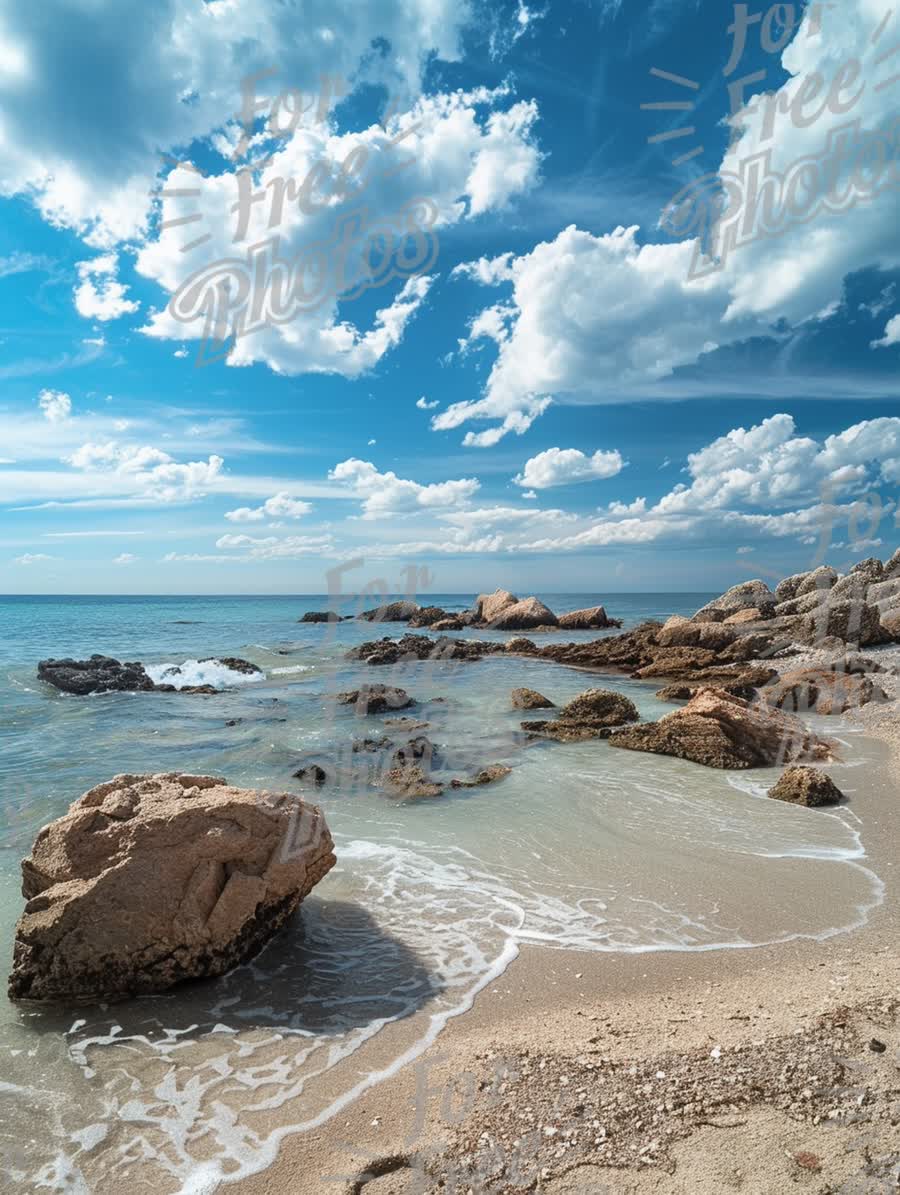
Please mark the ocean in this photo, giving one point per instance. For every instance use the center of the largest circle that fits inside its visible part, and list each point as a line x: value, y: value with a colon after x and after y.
x: 581, y: 847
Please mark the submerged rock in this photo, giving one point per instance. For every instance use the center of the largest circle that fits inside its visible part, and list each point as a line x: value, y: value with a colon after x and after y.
x: 488, y: 775
x: 591, y: 715
x: 374, y: 699
x: 421, y: 647
x: 150, y: 880
x: 721, y: 731
x: 806, y: 786
x: 410, y: 783
x: 529, y: 699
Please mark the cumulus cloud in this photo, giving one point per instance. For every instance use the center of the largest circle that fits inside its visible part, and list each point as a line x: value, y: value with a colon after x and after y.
x: 126, y: 558
x: 281, y: 506
x: 169, y: 73
x: 56, y: 405
x: 565, y: 466
x: 99, y: 295
x: 605, y: 317
x: 424, y: 405
x: 386, y: 493
x: 891, y: 334
x: 151, y: 473
x: 32, y: 558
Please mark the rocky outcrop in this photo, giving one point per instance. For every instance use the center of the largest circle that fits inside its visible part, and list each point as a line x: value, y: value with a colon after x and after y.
x: 427, y: 616
x: 529, y: 614
x: 853, y: 622
x: 375, y: 699
x: 721, y: 731
x: 806, y: 786
x: 150, y: 880
x: 103, y: 674
x: 821, y: 691
x: 739, y: 682
x: 448, y: 624
x: 591, y: 715
x: 530, y: 699
x: 320, y: 616
x: 594, y: 618
x: 99, y: 674
x: 401, y: 611
x: 489, y: 606
x: 489, y: 775
x: 421, y: 647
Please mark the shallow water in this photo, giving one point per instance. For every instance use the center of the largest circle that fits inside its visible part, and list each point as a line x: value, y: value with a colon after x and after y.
x: 581, y: 846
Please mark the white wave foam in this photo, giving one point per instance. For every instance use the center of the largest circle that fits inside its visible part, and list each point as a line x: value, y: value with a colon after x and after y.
x: 200, y: 672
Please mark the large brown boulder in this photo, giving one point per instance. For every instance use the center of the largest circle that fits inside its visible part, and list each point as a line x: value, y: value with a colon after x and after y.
x: 890, y: 624
x: 721, y: 731
x: 591, y: 715
x: 806, y: 786
x: 594, y: 618
x: 428, y: 616
x: 489, y: 606
x: 149, y: 880
x: 822, y: 578
x: 524, y: 616
x: 753, y: 594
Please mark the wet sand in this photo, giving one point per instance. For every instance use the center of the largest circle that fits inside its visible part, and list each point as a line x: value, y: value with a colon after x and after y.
x: 552, y: 1081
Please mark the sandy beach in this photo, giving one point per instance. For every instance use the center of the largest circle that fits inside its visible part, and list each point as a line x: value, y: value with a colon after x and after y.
x: 754, y: 1070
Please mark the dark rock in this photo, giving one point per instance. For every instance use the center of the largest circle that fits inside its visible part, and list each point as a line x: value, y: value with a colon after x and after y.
x: 99, y: 674
x: 421, y: 647
x: 401, y: 611
x: 600, y: 707
x: 312, y: 774
x: 382, y: 744
x: 806, y: 786
x: 320, y: 616
x: 374, y: 699
x: 427, y: 616
x: 566, y: 732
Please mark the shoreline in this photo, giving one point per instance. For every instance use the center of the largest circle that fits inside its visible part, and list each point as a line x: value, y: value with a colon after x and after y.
x: 553, y: 1013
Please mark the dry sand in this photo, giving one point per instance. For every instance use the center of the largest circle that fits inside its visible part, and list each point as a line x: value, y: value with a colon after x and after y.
x: 761, y: 1070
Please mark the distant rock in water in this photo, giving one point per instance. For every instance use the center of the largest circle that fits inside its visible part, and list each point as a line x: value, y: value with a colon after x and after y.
x: 806, y: 786
x: 320, y: 616
x: 489, y: 775
x: 421, y: 647
x: 401, y: 611
x: 150, y: 880
x: 721, y: 731
x: 594, y: 618
x: 103, y: 674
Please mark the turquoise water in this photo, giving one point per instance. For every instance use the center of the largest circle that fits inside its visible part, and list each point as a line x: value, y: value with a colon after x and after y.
x: 581, y: 847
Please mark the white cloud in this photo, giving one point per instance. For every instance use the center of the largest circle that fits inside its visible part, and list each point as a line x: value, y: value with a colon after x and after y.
x: 150, y: 473
x: 248, y: 548
x: 461, y: 152
x: 126, y: 558
x: 371, y: 443
x: 181, y: 353
x: 56, y: 405
x: 529, y: 494
x: 281, y: 506
x: 103, y: 299
x: 605, y: 317
x: 386, y: 493
x: 424, y: 405
x: 33, y: 558
x: 171, y: 73
x: 891, y: 334
x: 565, y: 466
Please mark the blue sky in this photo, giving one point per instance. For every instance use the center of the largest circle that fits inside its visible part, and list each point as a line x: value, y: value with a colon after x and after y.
x: 517, y: 371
